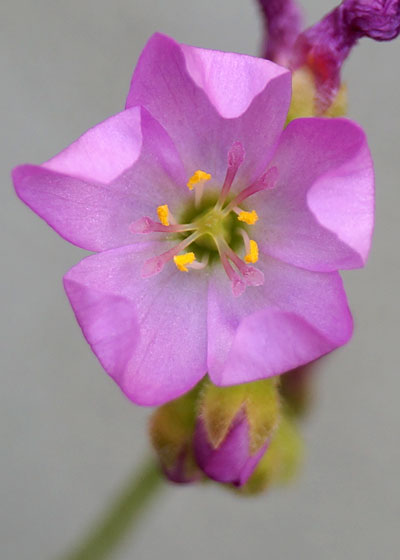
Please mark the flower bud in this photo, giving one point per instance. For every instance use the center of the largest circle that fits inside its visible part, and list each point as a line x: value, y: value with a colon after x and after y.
x: 281, y: 462
x: 234, y: 428
x: 171, y: 431
x: 305, y: 97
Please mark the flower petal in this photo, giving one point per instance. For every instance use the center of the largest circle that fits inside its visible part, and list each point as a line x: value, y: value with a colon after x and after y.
x: 114, y: 174
x: 207, y: 100
x: 103, y: 152
x: 149, y: 334
x: 293, y: 319
x: 320, y: 215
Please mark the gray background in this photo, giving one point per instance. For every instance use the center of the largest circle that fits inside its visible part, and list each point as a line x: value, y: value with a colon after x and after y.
x: 69, y: 437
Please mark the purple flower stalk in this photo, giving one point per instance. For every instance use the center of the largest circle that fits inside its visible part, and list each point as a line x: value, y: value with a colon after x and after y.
x: 325, y: 46
x: 218, y: 234
x: 283, y: 23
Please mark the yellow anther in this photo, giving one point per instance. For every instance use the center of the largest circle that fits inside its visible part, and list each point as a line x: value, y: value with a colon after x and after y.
x: 182, y: 260
x: 249, y: 218
x: 198, y: 176
x: 252, y: 256
x: 162, y: 213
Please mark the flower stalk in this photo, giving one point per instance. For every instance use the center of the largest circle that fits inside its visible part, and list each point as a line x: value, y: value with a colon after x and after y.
x: 122, y: 516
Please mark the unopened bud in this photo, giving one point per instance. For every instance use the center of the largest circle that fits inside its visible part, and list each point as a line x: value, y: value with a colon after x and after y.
x: 171, y: 430
x: 305, y: 97
x: 234, y: 428
x: 281, y: 462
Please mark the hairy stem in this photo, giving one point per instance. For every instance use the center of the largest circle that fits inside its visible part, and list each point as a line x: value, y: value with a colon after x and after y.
x: 122, y: 516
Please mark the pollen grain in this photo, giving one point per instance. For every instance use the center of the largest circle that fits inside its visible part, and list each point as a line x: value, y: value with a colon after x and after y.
x: 182, y: 260
x: 198, y: 176
x: 252, y: 256
x: 163, y: 214
x: 249, y: 218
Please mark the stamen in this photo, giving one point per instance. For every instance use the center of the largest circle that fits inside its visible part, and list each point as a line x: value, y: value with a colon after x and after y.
x: 147, y: 225
x: 162, y: 213
x: 198, y: 176
x: 198, y: 179
x: 199, y: 265
x: 156, y: 264
x: 251, y: 247
x: 171, y: 218
x: 246, y: 239
x: 265, y: 182
x: 182, y: 260
x: 235, y: 159
x: 249, y: 218
x: 252, y: 254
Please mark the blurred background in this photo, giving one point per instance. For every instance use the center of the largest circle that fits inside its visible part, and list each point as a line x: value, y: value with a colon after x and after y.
x: 70, y: 438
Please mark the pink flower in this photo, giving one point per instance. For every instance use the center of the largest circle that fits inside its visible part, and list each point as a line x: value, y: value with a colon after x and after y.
x: 194, y: 196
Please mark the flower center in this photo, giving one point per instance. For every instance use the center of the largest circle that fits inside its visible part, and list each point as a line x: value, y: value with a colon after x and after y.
x: 213, y: 228
x: 211, y: 223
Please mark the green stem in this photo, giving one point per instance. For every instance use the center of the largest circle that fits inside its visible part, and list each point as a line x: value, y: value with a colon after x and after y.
x: 121, y: 517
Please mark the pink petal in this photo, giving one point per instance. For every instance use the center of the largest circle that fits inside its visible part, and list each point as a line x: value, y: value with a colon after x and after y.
x: 294, y: 318
x: 320, y: 215
x: 207, y: 100
x: 149, y: 334
x: 231, y: 462
x: 116, y: 173
x: 103, y: 152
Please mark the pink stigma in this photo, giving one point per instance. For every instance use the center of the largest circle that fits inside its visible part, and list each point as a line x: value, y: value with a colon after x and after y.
x: 147, y: 225
x: 249, y: 275
x: 155, y: 265
x: 265, y: 182
x: 235, y: 159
